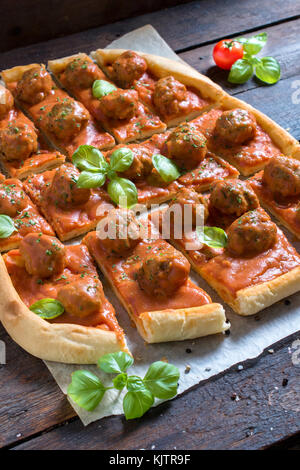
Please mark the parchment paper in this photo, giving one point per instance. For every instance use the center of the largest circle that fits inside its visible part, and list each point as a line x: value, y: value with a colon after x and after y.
x: 249, y: 336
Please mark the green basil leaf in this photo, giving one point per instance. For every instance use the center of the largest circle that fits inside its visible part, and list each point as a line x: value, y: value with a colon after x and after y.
x: 162, y: 379
x: 120, y: 381
x: 254, y: 44
x: 123, y: 192
x: 135, y: 404
x: 135, y: 383
x: 86, y: 389
x: 268, y: 70
x: 102, y: 88
x: 91, y: 180
x: 89, y: 158
x: 214, y: 237
x: 115, y: 363
x: 166, y: 168
x: 47, y: 308
x: 241, y: 71
x: 121, y: 159
x: 7, y: 226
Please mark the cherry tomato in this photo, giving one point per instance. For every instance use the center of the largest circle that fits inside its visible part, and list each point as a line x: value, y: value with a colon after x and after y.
x: 227, y: 52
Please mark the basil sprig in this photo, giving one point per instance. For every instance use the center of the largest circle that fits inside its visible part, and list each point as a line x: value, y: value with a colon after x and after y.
x: 214, y: 237
x: 102, y: 88
x: 96, y: 170
x: 160, y: 381
x: 267, y: 69
x: 47, y: 308
x: 167, y: 169
x: 7, y: 226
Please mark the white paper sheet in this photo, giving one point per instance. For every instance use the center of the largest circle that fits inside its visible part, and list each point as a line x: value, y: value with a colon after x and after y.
x: 249, y: 336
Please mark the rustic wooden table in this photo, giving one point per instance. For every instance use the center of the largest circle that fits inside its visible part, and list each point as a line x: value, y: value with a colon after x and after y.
x: 257, y: 407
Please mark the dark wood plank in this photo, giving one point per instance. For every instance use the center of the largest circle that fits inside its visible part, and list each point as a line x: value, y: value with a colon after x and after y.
x: 182, y: 27
x: 30, y: 399
x: 62, y: 17
x: 246, y: 409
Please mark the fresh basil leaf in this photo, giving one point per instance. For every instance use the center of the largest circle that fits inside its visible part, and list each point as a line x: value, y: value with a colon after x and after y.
x: 214, y: 237
x: 86, y: 389
x: 135, y: 383
x: 162, y: 379
x: 268, y: 70
x: 115, y: 363
x: 166, y: 168
x: 102, y: 88
x: 135, y: 404
x: 120, y: 381
x: 89, y: 158
x: 123, y: 192
x: 254, y: 44
x: 241, y: 71
x: 7, y: 226
x: 121, y: 159
x: 91, y: 180
x: 47, y: 308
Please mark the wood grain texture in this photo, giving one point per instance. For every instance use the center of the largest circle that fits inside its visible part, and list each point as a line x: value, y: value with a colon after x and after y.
x: 246, y: 409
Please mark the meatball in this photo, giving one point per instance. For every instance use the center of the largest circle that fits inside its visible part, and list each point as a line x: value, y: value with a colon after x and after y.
x: 298, y: 213
x: 44, y: 256
x: 63, y: 189
x: 163, y: 273
x: 35, y: 85
x: 18, y: 142
x: 168, y: 93
x: 119, y: 232
x: 12, y: 200
x: 141, y: 166
x: 233, y: 197
x: 128, y: 67
x: 188, y: 198
x: 6, y: 102
x: 81, y: 297
x: 67, y: 119
x: 82, y: 73
x: 235, y: 127
x: 119, y: 104
x: 282, y: 176
x: 252, y: 233
x: 187, y: 146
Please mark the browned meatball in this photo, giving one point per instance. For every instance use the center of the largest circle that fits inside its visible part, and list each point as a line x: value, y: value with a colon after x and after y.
x: 187, y: 146
x: 236, y: 126
x: 119, y: 232
x: 234, y: 197
x: 44, y: 256
x: 12, y: 199
x: 82, y: 73
x: 168, y: 93
x: 298, y: 213
x: 252, y: 233
x: 128, y: 67
x: 119, y: 104
x: 163, y: 273
x: 141, y: 166
x: 67, y: 119
x: 6, y: 102
x: 35, y: 85
x: 18, y: 142
x: 64, y: 191
x: 81, y: 297
x: 188, y: 199
x: 282, y: 176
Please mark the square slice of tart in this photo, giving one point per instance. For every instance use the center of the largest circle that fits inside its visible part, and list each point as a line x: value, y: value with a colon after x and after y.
x: 172, y: 89
x: 65, y: 122
x: 53, y: 304
x: 23, y: 151
x: 119, y: 111
x: 151, y: 279
x: 71, y: 211
x: 278, y: 189
x: 22, y: 212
